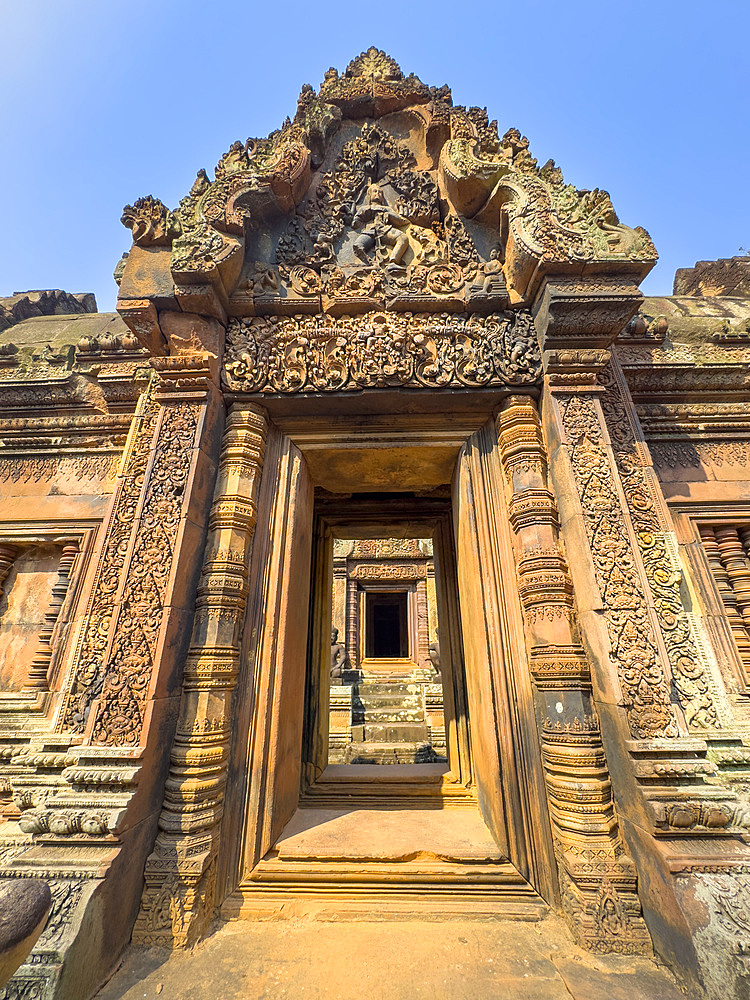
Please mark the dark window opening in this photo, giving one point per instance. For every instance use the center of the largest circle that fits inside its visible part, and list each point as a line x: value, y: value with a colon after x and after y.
x: 386, y: 626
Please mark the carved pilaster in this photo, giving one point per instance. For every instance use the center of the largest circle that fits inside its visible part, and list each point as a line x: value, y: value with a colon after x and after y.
x: 43, y: 656
x: 655, y: 539
x: 108, y: 563
x: 644, y: 683
x: 124, y: 666
x: 630, y: 609
x: 178, y: 897
x: 597, y: 877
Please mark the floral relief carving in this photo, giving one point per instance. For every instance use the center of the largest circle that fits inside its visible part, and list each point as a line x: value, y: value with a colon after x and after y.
x: 129, y: 665
x: 645, y: 688
x: 694, y: 454
x: 33, y: 468
x: 688, y: 671
x: 88, y: 677
x: 322, y: 354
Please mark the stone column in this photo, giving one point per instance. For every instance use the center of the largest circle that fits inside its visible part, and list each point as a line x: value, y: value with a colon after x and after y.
x: 423, y: 625
x: 597, y: 877
x: 180, y: 873
x: 352, y: 623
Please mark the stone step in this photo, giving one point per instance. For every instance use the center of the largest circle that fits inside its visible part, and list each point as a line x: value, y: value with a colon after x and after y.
x: 394, y: 715
x: 381, y: 701
x: 396, y: 733
x: 367, y: 688
x: 419, y: 752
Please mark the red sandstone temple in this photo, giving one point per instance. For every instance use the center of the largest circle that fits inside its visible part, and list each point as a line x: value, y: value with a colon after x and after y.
x: 385, y: 493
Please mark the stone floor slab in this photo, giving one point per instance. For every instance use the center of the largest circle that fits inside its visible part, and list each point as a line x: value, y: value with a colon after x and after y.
x: 585, y: 983
x: 409, y: 960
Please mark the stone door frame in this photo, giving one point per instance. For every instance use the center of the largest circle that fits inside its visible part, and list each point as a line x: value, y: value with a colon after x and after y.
x: 265, y: 775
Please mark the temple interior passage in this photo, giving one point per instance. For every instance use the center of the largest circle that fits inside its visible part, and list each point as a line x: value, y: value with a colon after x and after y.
x: 386, y: 701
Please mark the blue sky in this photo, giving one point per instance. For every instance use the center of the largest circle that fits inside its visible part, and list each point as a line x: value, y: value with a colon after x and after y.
x: 101, y: 103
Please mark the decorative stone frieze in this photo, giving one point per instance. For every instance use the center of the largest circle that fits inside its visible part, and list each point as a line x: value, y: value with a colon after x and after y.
x: 301, y: 354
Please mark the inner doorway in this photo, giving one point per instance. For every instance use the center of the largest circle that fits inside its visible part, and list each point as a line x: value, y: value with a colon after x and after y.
x: 387, y: 699
x: 386, y: 703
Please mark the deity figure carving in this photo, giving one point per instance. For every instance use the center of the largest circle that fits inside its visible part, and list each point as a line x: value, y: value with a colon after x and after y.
x: 379, y: 227
x: 489, y: 277
x: 339, y: 659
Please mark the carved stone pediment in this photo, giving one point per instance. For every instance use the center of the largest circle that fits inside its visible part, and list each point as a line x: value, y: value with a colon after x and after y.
x: 378, y: 195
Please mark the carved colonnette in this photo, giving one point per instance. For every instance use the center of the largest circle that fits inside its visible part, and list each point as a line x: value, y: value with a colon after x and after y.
x: 597, y: 876
x: 180, y: 873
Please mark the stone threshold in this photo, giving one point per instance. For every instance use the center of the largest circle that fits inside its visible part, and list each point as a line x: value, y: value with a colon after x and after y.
x: 384, y: 864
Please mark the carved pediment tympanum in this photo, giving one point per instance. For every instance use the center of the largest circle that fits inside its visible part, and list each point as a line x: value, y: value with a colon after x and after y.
x: 379, y: 196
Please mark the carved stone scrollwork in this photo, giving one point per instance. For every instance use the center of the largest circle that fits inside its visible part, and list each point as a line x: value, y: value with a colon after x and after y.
x: 645, y: 687
x: 88, y: 678
x: 150, y: 221
x: 130, y: 662
x: 689, y: 675
x: 384, y: 571
x: 304, y: 354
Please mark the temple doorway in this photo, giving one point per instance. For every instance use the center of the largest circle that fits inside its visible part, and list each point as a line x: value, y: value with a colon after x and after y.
x: 386, y: 688
x: 374, y: 639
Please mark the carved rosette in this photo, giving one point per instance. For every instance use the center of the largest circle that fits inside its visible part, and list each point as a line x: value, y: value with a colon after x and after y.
x: 180, y: 873
x: 588, y: 846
